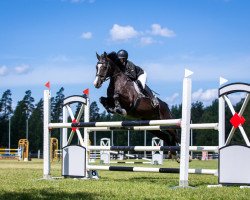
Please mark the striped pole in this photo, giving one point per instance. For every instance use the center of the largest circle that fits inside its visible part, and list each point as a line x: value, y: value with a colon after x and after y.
x: 145, y: 169
x: 151, y: 148
x: 129, y: 162
x: 170, y: 124
x: 166, y: 122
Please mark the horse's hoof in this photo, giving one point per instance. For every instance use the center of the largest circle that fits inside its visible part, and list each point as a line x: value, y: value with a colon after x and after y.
x: 121, y: 111
x: 102, y: 100
x: 118, y: 110
x: 124, y: 112
x: 110, y: 110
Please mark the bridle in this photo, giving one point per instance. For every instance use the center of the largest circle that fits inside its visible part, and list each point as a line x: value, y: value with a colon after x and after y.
x: 103, y: 77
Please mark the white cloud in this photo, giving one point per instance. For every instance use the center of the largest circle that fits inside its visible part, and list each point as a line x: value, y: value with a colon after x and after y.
x: 122, y: 32
x: 236, y: 97
x: 205, y: 96
x: 3, y: 70
x: 86, y: 35
x: 22, y: 69
x: 74, y: 72
x: 146, y: 40
x: 60, y: 58
x: 156, y: 29
x: 172, y: 99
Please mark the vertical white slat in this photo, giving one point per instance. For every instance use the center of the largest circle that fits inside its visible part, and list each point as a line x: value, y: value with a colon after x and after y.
x: 46, y: 135
x: 185, y: 130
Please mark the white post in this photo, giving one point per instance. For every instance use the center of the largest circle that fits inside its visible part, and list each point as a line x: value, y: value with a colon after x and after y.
x: 191, y: 141
x: 46, y: 135
x: 9, y: 131
x: 65, y: 130
x: 145, y: 143
x: 221, y: 122
x: 185, y: 129
x: 221, y: 111
x: 86, y: 132
x: 95, y: 144
x: 112, y: 138
x: 128, y: 139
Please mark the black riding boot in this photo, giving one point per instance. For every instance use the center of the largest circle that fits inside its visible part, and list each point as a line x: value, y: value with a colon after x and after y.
x: 148, y: 93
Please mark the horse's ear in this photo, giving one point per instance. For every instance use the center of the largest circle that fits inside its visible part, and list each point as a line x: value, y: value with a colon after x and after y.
x: 97, y: 55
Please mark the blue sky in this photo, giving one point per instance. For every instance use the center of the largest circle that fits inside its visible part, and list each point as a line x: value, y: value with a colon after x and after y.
x: 56, y: 41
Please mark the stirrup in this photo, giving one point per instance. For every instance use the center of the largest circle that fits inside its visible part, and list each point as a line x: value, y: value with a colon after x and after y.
x: 155, y: 102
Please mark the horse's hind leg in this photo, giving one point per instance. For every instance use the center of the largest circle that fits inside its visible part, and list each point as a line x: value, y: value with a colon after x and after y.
x: 163, y: 136
x: 174, y: 141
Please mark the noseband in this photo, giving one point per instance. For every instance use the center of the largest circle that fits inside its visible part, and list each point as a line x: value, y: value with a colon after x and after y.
x: 103, y: 76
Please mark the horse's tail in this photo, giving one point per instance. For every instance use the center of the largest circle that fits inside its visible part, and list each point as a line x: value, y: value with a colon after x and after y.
x: 164, y: 111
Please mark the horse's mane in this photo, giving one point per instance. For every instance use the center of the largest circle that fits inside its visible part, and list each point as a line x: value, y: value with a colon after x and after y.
x: 114, y: 58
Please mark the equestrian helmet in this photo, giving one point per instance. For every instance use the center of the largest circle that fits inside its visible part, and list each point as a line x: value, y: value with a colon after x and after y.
x: 122, y: 54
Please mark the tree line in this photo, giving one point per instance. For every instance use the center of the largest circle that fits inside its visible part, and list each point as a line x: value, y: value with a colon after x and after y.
x: 27, y: 111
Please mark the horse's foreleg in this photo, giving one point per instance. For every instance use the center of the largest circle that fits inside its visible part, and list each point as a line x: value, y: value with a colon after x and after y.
x: 108, y: 104
x: 118, y: 109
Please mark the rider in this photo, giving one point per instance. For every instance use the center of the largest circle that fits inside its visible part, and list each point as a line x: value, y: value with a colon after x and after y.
x: 137, y: 74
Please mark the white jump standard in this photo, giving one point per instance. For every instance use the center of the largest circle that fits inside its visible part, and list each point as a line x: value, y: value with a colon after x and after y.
x: 71, y: 153
x: 234, y: 160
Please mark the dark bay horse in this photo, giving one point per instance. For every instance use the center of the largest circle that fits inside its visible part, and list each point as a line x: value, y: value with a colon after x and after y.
x: 123, y: 98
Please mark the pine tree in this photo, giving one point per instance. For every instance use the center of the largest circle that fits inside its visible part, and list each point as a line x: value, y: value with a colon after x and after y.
x: 208, y: 137
x: 57, y: 110
x: 5, y: 115
x: 94, y: 112
x: 21, y: 114
x: 36, y: 127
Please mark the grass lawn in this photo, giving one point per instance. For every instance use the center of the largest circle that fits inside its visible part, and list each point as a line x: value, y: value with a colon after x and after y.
x: 22, y: 180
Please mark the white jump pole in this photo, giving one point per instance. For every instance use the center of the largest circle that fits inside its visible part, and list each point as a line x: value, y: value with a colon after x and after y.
x: 185, y: 128
x: 46, y: 135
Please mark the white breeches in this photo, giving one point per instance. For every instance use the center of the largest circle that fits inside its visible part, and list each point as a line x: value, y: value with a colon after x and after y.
x: 143, y: 78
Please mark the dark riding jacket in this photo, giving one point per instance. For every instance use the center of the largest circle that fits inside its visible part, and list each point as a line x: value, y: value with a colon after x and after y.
x: 130, y: 69
x: 133, y: 71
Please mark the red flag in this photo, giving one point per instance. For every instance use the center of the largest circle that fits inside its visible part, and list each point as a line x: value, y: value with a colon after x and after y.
x: 86, y: 91
x: 47, y: 85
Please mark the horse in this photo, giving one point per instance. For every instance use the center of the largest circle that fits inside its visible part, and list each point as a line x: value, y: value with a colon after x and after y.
x: 124, y: 98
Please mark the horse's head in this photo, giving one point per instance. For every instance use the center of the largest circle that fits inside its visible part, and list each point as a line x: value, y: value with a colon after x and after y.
x: 102, y: 69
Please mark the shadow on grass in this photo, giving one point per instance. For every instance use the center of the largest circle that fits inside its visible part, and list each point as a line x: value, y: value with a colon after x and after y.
x: 171, y: 181
x: 46, y: 194
x: 144, y: 179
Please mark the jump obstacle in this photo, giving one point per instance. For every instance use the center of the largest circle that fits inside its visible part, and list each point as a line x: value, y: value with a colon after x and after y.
x: 74, y: 155
x: 105, y: 155
x: 21, y: 153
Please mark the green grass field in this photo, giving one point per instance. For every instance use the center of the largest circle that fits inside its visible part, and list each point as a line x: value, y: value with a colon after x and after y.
x: 22, y: 180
